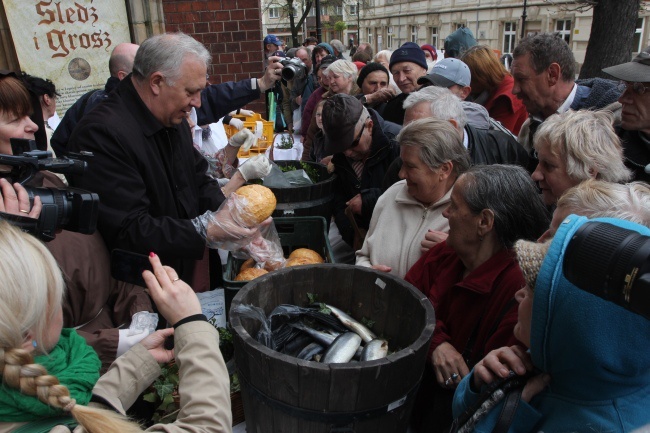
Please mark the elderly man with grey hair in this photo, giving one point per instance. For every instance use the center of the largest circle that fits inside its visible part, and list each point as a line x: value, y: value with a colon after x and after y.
x: 338, y: 48
x: 153, y: 185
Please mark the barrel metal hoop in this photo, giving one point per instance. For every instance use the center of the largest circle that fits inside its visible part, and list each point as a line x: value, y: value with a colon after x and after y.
x: 303, y: 204
x: 341, y: 419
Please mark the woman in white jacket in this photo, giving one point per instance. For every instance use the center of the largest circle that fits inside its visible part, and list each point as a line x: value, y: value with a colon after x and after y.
x: 433, y: 157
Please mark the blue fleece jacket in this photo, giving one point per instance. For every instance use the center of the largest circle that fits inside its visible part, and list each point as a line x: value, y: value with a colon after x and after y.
x: 596, y: 352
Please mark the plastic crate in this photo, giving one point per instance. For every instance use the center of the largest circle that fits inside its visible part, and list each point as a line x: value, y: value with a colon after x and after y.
x: 294, y: 232
x: 250, y: 122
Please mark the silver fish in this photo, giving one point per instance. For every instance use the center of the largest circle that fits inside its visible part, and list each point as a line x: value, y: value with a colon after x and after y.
x: 376, y: 349
x: 311, y: 350
x: 366, y: 334
x: 342, y: 349
x: 323, y: 338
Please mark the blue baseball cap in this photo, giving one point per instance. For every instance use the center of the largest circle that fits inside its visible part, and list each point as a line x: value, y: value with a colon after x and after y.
x: 272, y: 39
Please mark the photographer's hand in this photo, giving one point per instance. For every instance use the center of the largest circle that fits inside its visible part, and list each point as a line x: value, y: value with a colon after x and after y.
x: 14, y: 200
x: 272, y: 74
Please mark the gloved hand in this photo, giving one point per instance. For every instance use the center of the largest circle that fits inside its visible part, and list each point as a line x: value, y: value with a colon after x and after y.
x: 247, y: 113
x: 237, y: 123
x: 244, y: 139
x: 255, y: 168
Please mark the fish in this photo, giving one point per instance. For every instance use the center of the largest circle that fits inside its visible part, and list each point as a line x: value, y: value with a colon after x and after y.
x: 366, y: 334
x: 310, y: 351
x: 375, y: 349
x: 342, y: 349
x: 323, y: 338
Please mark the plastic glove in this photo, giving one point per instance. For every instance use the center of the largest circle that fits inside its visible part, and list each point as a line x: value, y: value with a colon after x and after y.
x: 247, y: 113
x: 221, y: 230
x: 237, y: 123
x: 255, y: 168
x: 244, y: 139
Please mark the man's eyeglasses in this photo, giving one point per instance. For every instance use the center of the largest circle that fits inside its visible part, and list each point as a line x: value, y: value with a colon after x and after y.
x: 638, y: 88
x: 356, y: 141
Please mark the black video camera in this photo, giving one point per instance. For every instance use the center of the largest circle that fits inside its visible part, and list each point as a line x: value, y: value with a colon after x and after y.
x: 611, y: 262
x: 71, y: 209
x: 293, y: 68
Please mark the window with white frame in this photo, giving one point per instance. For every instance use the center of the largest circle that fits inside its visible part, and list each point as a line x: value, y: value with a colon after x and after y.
x: 414, y: 34
x: 509, y: 37
x: 563, y: 28
x: 389, y: 42
x: 338, y: 10
x: 434, y: 36
x: 370, y: 36
x: 312, y: 12
x: 457, y: 26
x: 274, y: 12
x: 353, y: 9
x: 637, y: 45
x: 323, y: 10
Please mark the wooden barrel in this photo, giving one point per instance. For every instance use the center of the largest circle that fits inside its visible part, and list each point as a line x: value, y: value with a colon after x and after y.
x: 286, y: 394
x: 306, y: 200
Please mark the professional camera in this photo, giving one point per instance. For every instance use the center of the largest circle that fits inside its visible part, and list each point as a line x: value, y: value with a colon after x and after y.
x: 71, y: 209
x: 293, y: 68
x: 611, y: 262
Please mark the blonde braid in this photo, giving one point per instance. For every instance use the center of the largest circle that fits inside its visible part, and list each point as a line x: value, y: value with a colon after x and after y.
x: 19, y: 371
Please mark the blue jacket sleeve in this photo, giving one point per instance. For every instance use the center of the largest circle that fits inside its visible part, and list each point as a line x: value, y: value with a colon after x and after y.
x: 217, y: 100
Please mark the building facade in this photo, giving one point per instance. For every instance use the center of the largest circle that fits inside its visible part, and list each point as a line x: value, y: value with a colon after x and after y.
x: 387, y: 24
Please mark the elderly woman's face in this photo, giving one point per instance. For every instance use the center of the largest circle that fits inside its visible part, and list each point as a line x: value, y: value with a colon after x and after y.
x: 525, y: 315
x: 424, y: 184
x: 551, y: 175
x: 14, y: 127
x: 463, y: 224
x: 339, y: 83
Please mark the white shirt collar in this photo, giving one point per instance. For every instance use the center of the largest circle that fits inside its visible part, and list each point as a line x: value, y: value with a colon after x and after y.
x: 568, y: 101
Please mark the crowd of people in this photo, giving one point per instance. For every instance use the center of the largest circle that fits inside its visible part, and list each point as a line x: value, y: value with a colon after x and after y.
x: 468, y: 179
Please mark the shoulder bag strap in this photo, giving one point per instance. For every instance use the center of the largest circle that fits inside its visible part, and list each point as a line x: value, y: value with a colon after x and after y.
x: 507, y: 415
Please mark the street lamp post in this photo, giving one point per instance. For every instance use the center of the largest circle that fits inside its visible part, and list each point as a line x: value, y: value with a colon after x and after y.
x: 358, y: 24
x: 523, y: 22
x: 319, y: 34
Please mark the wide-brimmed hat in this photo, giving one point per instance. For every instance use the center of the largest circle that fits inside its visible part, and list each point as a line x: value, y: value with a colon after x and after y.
x: 638, y: 70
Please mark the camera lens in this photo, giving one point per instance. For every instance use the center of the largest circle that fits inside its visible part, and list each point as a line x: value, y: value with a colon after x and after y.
x: 288, y: 72
x: 611, y: 262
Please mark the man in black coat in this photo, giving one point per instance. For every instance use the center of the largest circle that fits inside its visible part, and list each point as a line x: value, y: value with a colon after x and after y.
x: 362, y: 154
x: 154, y: 191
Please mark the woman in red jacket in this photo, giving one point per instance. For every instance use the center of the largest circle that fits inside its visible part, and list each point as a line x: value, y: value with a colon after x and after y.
x: 471, y: 279
x: 492, y: 87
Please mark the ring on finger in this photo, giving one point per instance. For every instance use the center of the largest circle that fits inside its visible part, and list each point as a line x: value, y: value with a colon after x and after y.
x: 24, y: 211
x: 175, y: 279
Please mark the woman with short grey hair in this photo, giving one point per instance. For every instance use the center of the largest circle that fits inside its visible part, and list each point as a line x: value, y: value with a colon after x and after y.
x: 342, y: 76
x: 576, y: 146
x: 433, y: 157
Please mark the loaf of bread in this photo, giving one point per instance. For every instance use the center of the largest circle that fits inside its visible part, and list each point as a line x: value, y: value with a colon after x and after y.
x: 257, y: 204
x: 250, y: 274
x: 305, y: 253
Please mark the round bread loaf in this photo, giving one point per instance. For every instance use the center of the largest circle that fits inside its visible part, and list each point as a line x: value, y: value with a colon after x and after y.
x: 297, y: 261
x: 250, y: 274
x: 259, y: 203
x: 306, y: 253
x: 247, y: 265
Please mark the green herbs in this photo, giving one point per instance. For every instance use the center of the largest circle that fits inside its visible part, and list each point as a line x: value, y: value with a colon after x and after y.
x: 286, y: 142
x: 164, y: 393
x: 311, y: 171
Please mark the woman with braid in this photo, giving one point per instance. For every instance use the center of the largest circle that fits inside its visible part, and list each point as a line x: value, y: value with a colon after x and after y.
x: 50, y: 375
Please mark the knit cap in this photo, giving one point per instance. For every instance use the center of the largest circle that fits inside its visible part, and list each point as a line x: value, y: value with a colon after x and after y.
x: 368, y: 69
x: 530, y: 256
x: 408, y: 52
x: 458, y: 42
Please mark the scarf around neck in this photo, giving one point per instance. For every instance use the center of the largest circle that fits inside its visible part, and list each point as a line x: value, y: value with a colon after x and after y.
x: 73, y: 362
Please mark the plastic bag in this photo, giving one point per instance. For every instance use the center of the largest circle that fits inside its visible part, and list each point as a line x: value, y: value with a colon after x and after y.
x: 256, y: 313
x: 265, y: 249
x: 298, y: 177
x: 225, y: 228
x: 276, y: 178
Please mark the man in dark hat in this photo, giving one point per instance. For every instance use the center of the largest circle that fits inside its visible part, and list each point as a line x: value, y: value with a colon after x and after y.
x: 635, y: 117
x: 362, y: 154
x: 407, y: 64
x: 373, y: 81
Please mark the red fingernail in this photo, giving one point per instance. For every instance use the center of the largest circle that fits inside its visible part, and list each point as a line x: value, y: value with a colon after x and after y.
x: 152, y: 254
